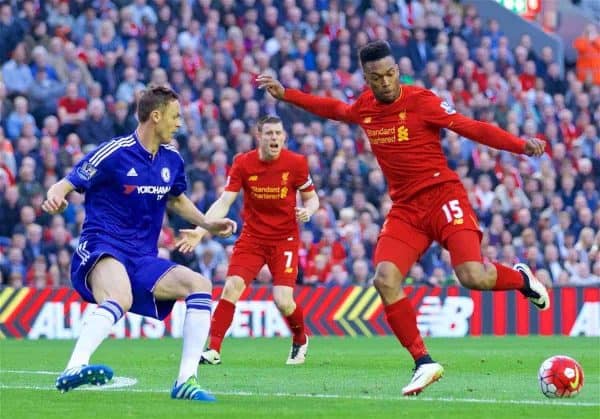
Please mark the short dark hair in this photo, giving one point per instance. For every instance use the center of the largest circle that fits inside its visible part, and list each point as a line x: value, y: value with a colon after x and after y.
x: 269, y: 119
x: 153, y: 98
x: 374, y: 51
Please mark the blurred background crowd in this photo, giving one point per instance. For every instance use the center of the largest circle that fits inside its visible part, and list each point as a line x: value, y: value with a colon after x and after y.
x: 71, y: 71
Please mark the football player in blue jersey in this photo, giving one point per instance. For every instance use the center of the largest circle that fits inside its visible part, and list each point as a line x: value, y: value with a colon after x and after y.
x: 128, y: 183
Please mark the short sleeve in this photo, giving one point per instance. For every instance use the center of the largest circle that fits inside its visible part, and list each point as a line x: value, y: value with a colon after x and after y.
x: 180, y: 183
x: 304, y: 182
x: 93, y: 168
x: 234, y: 179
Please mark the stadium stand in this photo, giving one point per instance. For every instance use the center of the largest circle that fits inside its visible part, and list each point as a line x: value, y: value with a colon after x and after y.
x: 71, y: 70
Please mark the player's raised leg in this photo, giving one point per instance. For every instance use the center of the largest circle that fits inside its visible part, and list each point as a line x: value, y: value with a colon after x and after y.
x: 222, y: 318
x: 110, y: 287
x: 393, y: 257
x: 464, y: 248
x: 181, y: 282
x: 292, y: 312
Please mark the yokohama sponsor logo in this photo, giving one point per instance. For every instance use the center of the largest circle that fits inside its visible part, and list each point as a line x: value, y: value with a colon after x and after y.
x: 147, y: 189
x: 154, y: 190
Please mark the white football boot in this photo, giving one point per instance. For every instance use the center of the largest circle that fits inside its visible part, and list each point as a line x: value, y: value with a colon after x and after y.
x: 423, y: 376
x: 534, y: 290
x: 297, y: 354
x: 211, y: 357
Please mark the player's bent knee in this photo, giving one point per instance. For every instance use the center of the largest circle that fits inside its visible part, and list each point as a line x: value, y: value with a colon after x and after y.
x: 195, y: 282
x: 471, y: 277
x: 108, y: 280
x: 386, y: 279
x: 180, y: 282
x: 233, y: 289
x: 285, y: 305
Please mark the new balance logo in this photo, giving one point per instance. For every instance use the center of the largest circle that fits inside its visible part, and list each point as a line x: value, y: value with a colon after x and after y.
x: 132, y: 172
x: 448, y: 318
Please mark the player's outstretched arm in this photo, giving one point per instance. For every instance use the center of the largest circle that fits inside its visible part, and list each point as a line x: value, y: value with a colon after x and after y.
x: 185, y: 208
x: 443, y: 115
x: 56, y: 197
x: 492, y: 136
x: 321, y: 106
x: 310, y: 202
x: 190, y: 238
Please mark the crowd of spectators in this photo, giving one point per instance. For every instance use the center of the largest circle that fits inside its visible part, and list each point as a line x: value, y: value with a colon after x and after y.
x: 71, y: 71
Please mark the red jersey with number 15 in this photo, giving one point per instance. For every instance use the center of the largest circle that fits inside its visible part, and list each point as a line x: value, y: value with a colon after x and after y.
x: 405, y: 135
x: 270, y: 189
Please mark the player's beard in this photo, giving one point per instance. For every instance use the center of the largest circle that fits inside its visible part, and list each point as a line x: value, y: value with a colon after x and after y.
x: 381, y: 97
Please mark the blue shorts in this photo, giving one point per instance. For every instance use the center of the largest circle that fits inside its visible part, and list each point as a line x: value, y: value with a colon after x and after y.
x: 144, y: 272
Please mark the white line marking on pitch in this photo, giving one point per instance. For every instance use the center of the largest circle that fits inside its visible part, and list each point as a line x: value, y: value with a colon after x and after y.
x: 116, y: 382
x: 120, y: 386
x: 31, y: 372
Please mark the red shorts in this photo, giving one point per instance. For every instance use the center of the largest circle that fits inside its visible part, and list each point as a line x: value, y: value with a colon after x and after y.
x: 434, y: 214
x: 250, y: 255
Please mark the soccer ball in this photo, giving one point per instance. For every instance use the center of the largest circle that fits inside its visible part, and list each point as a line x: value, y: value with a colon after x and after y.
x: 560, y: 376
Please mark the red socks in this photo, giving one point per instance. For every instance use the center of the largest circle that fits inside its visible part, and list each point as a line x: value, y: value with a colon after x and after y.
x: 296, y: 323
x: 402, y: 319
x: 223, y: 317
x: 221, y: 321
x: 508, y: 279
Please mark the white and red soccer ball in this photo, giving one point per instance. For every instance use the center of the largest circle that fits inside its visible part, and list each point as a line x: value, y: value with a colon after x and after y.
x: 560, y: 376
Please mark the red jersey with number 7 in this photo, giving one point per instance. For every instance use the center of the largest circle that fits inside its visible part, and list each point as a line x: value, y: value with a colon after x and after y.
x: 405, y: 135
x: 270, y: 189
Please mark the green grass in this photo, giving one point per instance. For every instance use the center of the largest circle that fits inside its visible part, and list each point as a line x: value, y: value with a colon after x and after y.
x: 343, y: 378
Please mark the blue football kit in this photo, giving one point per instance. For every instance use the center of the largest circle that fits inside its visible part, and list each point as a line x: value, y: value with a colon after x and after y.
x: 126, y: 192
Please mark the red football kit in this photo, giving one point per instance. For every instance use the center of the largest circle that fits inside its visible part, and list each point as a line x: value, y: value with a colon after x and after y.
x: 270, y: 232
x: 429, y: 201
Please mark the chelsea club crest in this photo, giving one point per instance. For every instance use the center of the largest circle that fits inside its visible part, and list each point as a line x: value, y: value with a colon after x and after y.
x: 166, y: 174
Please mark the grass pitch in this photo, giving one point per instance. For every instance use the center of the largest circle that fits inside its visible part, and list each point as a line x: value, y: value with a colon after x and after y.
x: 343, y: 378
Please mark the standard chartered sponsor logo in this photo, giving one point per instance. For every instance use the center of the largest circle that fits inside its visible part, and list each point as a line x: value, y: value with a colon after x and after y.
x: 388, y: 135
x: 381, y: 131
x: 269, y: 192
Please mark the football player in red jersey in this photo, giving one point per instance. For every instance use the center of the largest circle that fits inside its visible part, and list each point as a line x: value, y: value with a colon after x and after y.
x: 403, y: 125
x: 270, y: 177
